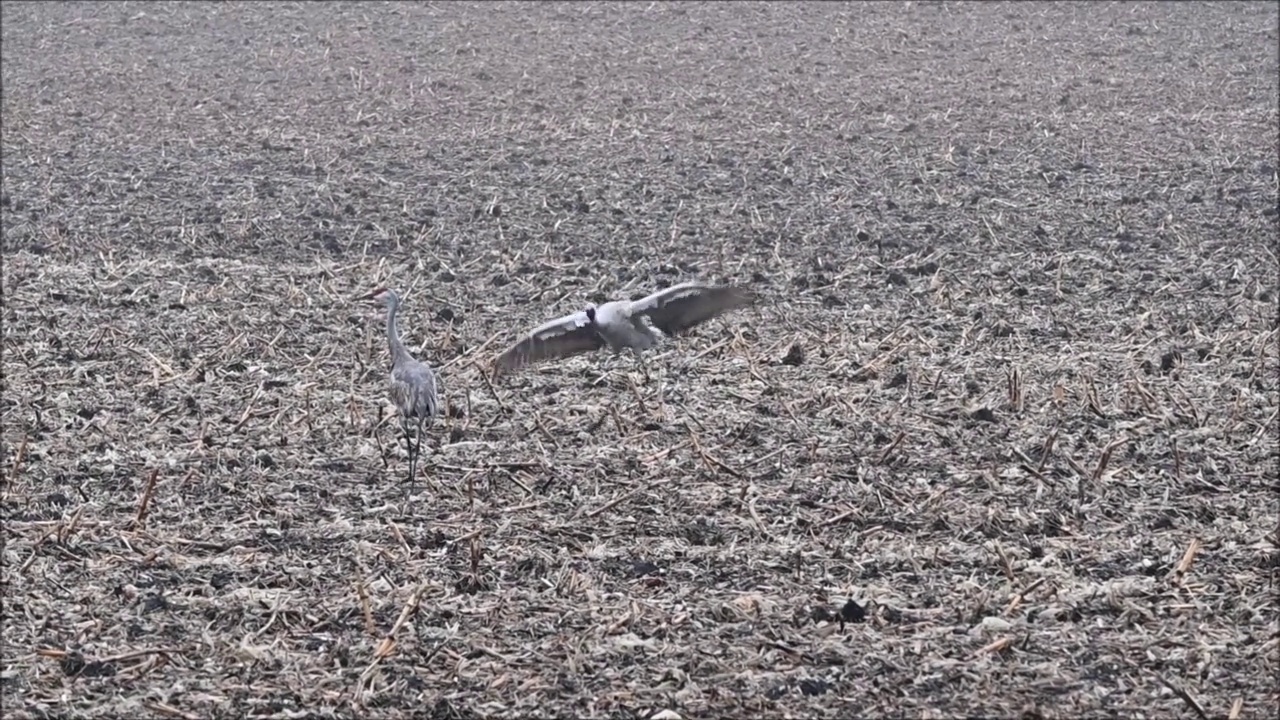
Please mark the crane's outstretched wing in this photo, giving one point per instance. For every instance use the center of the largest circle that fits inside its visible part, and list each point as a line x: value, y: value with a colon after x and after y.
x: 681, y: 307
x: 560, y: 338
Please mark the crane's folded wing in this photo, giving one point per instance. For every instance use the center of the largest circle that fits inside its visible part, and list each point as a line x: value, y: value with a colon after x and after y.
x: 416, y: 400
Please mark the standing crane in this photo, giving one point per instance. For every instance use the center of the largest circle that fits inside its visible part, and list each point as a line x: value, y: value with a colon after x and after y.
x: 413, y: 383
x: 625, y: 324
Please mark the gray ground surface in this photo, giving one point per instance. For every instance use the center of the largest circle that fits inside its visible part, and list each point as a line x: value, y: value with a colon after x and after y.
x: 1028, y: 251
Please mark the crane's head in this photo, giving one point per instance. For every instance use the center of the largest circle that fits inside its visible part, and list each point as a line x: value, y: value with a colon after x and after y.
x: 383, y: 295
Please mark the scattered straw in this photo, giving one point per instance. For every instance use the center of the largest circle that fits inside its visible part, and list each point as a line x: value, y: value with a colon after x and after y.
x: 1012, y: 373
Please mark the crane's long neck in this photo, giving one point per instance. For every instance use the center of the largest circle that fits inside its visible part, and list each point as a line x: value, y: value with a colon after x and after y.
x: 398, y: 351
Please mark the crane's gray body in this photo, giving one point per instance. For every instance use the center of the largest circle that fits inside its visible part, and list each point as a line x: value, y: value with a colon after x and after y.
x: 413, y: 390
x: 620, y: 328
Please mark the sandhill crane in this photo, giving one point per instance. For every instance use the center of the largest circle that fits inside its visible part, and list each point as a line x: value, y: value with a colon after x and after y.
x: 624, y: 324
x: 413, y: 383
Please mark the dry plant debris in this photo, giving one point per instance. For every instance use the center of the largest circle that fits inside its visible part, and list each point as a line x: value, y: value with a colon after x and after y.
x: 1000, y: 440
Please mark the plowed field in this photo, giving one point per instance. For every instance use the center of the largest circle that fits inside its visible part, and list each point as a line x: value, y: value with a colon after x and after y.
x: 999, y: 438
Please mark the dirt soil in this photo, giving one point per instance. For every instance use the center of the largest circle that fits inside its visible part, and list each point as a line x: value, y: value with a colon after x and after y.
x: 999, y: 438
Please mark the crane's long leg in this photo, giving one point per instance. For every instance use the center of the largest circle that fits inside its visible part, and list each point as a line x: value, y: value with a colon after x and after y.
x: 417, y: 454
x: 408, y: 447
x: 603, y: 366
x: 661, y: 385
x: 644, y: 367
